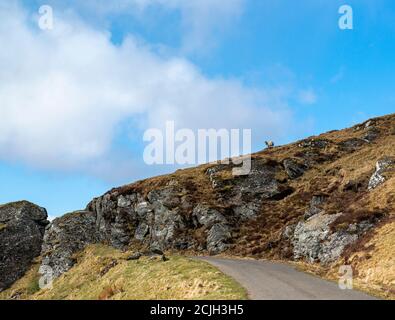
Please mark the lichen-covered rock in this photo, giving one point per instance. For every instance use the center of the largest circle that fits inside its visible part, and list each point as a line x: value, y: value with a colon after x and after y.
x: 22, y: 226
x: 157, y: 220
x: 312, y: 237
x: 206, y: 216
x: 382, y: 166
x: 65, y: 237
x: 314, y: 240
x: 217, y: 238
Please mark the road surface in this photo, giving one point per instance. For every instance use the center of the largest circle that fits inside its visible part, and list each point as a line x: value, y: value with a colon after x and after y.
x: 269, y: 280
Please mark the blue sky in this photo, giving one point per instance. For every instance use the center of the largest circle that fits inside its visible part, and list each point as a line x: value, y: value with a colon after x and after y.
x: 75, y: 100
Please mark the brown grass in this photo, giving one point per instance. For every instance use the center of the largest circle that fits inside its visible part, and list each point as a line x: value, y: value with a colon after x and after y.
x: 178, y: 278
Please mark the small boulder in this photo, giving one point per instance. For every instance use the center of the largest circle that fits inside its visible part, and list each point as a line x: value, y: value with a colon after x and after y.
x: 134, y: 256
x: 293, y: 168
x: 156, y: 251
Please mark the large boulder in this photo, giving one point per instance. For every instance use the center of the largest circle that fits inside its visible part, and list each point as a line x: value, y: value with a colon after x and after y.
x: 22, y: 226
x: 64, y: 237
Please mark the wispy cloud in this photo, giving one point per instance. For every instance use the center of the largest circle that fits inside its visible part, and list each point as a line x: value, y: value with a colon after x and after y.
x: 338, y: 76
x: 307, y: 96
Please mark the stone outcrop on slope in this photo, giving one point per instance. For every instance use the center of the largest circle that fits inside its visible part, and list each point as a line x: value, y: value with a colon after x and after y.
x: 382, y: 166
x: 64, y: 237
x: 314, y: 240
x: 22, y: 226
x: 170, y: 217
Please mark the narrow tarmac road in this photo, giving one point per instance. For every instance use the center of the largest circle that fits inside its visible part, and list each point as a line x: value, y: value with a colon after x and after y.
x: 277, y: 281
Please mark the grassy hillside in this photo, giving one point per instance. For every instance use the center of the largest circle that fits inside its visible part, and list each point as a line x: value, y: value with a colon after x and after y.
x: 374, y: 262
x: 341, y: 171
x: 104, y: 273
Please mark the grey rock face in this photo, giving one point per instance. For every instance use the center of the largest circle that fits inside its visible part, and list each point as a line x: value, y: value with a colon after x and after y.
x: 168, y: 217
x: 293, y: 168
x: 22, y: 226
x: 246, y: 193
x: 382, y: 166
x: 352, y: 144
x: 66, y: 236
x: 156, y: 220
x: 217, y: 238
x: 372, y: 133
x: 313, y: 240
x: 206, y: 216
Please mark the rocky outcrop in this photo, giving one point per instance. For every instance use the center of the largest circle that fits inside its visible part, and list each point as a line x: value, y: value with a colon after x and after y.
x: 315, y: 241
x: 245, y: 194
x: 22, y: 226
x: 65, y: 237
x: 351, y: 145
x: 371, y: 134
x: 153, y: 220
x: 294, y: 168
x: 170, y: 217
x: 382, y: 166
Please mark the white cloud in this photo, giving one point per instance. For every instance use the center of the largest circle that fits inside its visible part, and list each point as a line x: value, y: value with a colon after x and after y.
x: 307, y: 96
x: 64, y: 94
x: 203, y: 22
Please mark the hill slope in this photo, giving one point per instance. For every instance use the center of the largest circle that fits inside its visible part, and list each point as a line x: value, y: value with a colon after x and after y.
x: 323, y: 201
